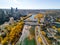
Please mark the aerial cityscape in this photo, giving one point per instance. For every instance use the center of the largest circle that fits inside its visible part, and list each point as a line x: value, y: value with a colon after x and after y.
x: 29, y: 27
x: 29, y: 22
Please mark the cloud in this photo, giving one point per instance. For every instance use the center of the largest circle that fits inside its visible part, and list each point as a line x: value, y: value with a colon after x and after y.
x: 14, y: 3
x: 22, y: 4
x: 29, y: 4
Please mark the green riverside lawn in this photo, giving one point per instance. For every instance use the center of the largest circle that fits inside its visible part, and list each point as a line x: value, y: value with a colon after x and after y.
x: 28, y: 42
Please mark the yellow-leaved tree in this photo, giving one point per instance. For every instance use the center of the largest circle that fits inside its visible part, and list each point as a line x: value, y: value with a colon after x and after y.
x: 39, y: 16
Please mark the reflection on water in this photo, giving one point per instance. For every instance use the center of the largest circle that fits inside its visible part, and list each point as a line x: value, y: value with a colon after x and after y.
x: 32, y: 17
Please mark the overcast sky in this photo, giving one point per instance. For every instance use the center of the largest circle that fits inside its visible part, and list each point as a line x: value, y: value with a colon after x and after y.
x: 30, y: 4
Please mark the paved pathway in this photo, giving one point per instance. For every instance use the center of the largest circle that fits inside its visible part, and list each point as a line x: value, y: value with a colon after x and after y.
x: 25, y: 33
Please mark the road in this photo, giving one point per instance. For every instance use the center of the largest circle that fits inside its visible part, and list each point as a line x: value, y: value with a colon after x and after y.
x: 37, y: 35
x: 42, y: 37
x: 44, y: 40
x: 32, y: 24
x: 25, y: 33
x: 50, y: 32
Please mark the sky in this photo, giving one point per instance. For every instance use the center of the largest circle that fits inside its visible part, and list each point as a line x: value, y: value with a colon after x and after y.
x: 30, y: 4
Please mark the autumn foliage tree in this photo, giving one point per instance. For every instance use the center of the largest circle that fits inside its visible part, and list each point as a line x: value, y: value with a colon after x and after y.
x: 39, y: 16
